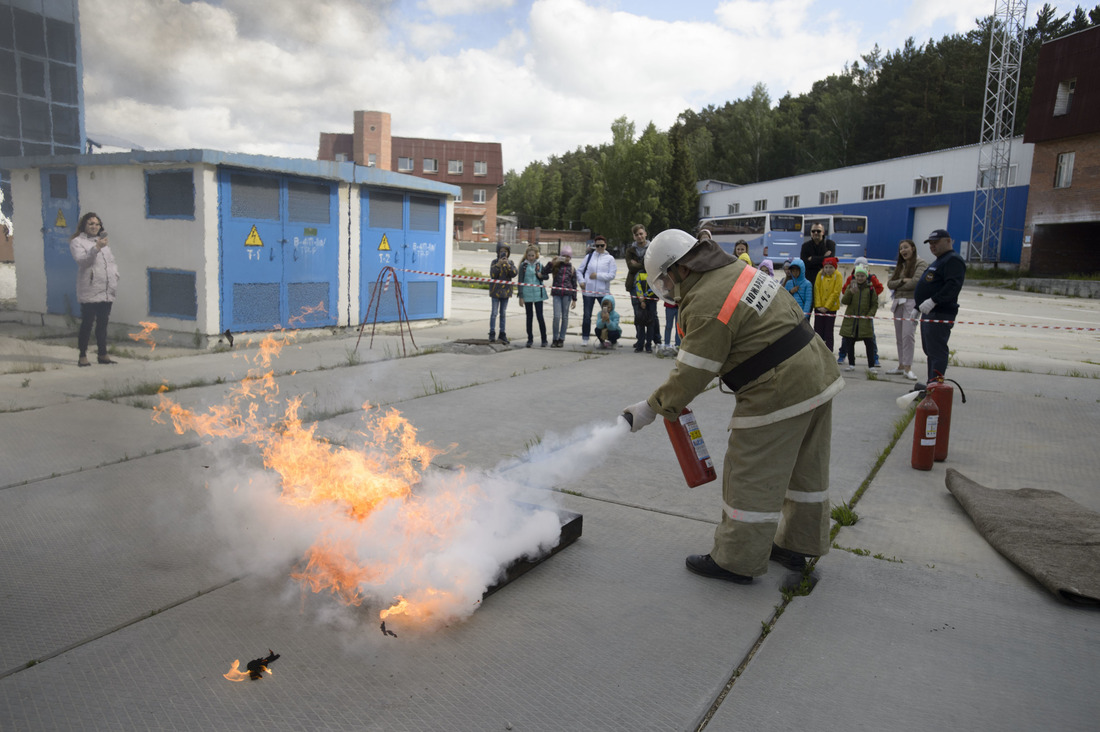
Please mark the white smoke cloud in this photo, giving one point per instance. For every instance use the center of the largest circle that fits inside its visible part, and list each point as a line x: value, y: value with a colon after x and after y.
x: 440, y: 548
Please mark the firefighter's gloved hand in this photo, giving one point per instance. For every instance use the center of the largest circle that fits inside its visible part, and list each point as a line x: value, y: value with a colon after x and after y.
x: 926, y: 306
x: 639, y: 415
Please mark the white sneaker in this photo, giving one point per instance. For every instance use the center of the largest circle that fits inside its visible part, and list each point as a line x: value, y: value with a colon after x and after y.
x: 584, y: 341
x: 849, y: 367
x: 910, y: 375
x: 894, y: 372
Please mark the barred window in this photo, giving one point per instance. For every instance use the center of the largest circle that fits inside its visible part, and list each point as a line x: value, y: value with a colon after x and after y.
x: 170, y: 194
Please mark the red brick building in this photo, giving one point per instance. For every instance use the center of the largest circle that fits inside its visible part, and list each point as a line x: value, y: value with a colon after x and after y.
x: 476, y: 167
x: 1063, y: 206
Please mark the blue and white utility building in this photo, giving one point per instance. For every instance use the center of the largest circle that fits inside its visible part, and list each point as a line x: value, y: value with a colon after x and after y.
x: 902, y: 198
x: 207, y: 241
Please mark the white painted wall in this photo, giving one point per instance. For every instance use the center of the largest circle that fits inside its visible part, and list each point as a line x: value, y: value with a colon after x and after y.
x: 958, y: 166
x: 30, y: 269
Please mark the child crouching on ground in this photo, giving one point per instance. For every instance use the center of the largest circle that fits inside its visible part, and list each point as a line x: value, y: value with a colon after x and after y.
x: 608, y: 329
x: 861, y: 300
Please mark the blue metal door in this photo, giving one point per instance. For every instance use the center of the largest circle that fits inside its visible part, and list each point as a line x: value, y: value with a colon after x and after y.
x: 404, y: 231
x: 425, y: 252
x: 60, y: 215
x: 310, y: 264
x: 279, y: 251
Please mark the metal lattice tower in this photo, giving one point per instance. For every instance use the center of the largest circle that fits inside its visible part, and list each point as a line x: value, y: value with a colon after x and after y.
x: 1002, y: 83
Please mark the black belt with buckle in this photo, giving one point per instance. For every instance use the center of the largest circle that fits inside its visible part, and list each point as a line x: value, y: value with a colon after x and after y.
x: 753, y: 367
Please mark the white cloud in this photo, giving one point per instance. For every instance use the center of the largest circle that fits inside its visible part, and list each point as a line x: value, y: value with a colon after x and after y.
x: 465, y: 7
x: 267, y: 76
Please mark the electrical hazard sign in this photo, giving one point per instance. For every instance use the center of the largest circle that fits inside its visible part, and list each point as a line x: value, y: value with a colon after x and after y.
x: 253, y: 239
x: 384, y: 245
x: 60, y: 222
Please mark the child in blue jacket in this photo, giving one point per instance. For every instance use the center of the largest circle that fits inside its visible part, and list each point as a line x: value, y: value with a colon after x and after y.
x: 608, y: 329
x: 800, y: 287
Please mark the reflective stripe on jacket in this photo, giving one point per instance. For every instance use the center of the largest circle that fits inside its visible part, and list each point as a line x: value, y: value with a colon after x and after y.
x: 727, y: 315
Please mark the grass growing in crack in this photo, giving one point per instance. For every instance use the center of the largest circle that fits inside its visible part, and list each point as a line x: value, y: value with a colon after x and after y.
x: 991, y: 365
x: 802, y: 589
x: 900, y: 425
x: 437, y: 386
x: 854, y: 550
x: 844, y: 515
x: 1007, y: 347
x: 885, y: 558
x: 149, y: 388
x: 27, y: 368
x: 353, y: 357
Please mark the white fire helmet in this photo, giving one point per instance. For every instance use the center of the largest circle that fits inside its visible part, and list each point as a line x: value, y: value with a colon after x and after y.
x: 663, y: 252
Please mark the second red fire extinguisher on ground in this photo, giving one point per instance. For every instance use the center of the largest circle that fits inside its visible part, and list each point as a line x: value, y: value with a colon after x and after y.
x: 925, y: 429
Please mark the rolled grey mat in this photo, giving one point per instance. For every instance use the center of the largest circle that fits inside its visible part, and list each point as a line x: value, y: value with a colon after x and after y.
x: 1049, y: 536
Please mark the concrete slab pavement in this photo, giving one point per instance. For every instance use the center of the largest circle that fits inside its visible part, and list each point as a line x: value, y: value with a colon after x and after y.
x: 115, y: 576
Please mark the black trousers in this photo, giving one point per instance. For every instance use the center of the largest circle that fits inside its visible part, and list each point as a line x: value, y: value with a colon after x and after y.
x: 933, y: 341
x: 96, y: 312
x: 535, y: 309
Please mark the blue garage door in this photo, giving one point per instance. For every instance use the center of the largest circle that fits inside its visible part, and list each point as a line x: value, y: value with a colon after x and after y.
x: 404, y: 231
x: 279, y: 251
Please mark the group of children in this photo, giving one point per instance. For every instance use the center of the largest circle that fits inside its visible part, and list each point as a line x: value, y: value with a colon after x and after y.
x: 824, y: 296
x: 561, y: 288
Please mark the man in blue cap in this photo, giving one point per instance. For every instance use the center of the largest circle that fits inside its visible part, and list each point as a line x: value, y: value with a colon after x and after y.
x: 937, y: 297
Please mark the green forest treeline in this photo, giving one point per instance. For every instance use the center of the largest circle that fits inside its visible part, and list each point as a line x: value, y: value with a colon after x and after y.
x: 913, y: 100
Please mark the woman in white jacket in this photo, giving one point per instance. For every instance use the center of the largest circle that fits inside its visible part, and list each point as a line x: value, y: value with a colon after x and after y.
x: 96, y: 284
x: 594, y: 277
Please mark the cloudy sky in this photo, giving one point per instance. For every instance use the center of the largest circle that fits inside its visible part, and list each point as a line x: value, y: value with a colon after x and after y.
x: 540, y: 76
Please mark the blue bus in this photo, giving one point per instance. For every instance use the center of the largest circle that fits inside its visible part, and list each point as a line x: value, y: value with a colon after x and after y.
x: 775, y: 236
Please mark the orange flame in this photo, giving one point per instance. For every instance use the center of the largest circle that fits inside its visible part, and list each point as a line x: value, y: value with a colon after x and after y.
x: 300, y: 318
x: 235, y: 673
x: 356, y: 483
x: 146, y: 336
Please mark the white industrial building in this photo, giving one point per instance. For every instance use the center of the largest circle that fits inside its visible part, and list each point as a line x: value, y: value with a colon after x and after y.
x: 208, y: 241
x: 902, y: 198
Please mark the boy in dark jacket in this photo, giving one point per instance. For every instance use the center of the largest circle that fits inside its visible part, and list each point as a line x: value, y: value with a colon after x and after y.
x: 501, y: 270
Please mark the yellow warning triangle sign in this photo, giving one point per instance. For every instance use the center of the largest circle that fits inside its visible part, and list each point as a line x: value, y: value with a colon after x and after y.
x: 384, y: 245
x: 60, y: 223
x: 253, y: 239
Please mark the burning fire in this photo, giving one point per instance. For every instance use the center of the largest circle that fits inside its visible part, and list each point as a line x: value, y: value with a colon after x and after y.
x: 236, y: 674
x: 300, y: 318
x: 386, y: 534
x: 146, y: 335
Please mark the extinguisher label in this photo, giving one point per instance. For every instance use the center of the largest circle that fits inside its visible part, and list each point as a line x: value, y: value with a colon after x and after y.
x: 930, y: 426
x: 696, y: 435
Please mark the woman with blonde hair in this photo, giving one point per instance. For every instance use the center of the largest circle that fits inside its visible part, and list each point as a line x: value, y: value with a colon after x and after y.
x: 902, y: 283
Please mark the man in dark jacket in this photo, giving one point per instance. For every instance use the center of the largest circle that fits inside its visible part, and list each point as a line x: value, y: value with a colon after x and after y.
x: 814, y: 251
x: 937, y: 297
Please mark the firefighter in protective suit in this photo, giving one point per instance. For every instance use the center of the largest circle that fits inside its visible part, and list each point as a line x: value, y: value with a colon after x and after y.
x: 739, y: 324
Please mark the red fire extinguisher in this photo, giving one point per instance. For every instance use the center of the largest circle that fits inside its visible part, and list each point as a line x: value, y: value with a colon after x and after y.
x: 942, y: 393
x: 691, y: 451
x: 925, y: 428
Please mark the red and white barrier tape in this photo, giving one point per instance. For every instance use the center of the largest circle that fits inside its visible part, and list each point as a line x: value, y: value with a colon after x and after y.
x: 467, y: 278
